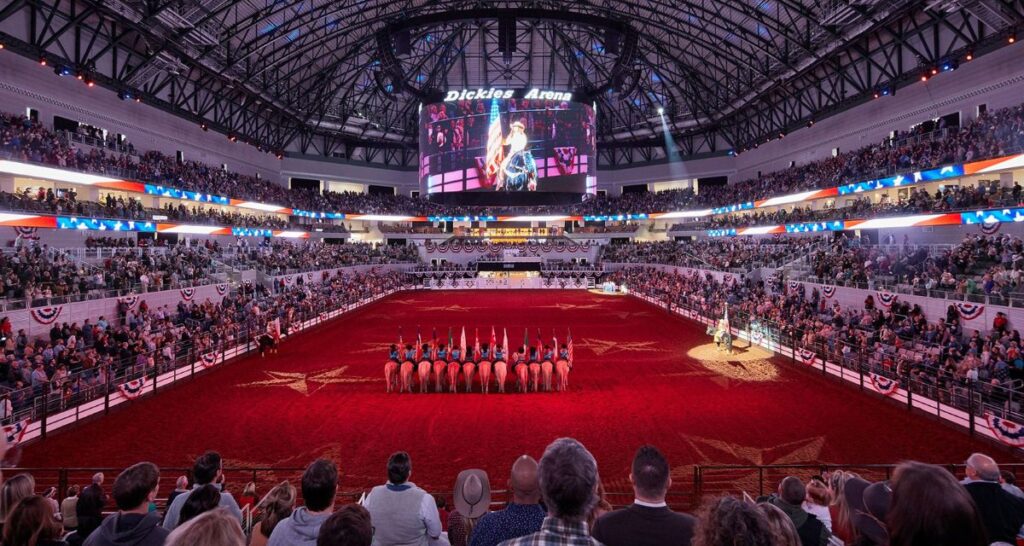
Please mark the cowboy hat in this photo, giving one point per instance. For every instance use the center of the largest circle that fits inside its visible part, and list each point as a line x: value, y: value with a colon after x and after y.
x: 472, y: 493
x: 869, y: 505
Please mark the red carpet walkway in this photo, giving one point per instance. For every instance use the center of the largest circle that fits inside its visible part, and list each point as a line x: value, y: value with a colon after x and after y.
x: 633, y: 383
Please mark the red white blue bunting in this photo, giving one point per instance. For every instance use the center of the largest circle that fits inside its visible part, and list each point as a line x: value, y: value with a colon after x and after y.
x: 884, y: 385
x: 969, y: 311
x: 188, y: 293
x: 15, y: 432
x: 132, y: 389
x: 1007, y: 432
x: 27, y: 232
x: 990, y: 228
x: 886, y: 299
x: 208, y: 359
x: 131, y: 300
x: 806, y: 356
x: 46, y: 315
x: 222, y: 289
x: 828, y: 291
x: 794, y: 286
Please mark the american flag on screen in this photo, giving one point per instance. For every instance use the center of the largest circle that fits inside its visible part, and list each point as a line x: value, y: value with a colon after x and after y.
x: 495, y: 151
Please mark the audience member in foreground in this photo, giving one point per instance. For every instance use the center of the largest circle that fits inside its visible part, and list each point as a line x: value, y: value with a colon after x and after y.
x: 729, y: 521
x: 568, y: 483
x: 1001, y: 512
x: 929, y: 508
x: 31, y: 523
x: 648, y: 521
x: 208, y: 469
x: 275, y: 508
x: 402, y: 513
x: 790, y: 499
x: 319, y: 487
x: 782, y: 527
x: 218, y: 527
x: 868, y: 505
x: 472, y: 500
x: 199, y: 501
x: 14, y: 489
x: 90, y: 506
x: 133, y: 524
x: 522, y: 516
x: 349, y: 526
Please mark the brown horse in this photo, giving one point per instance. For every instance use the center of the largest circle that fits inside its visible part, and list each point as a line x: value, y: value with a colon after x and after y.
x: 453, y: 376
x: 546, y: 368
x: 467, y: 375
x: 500, y: 372
x: 406, y: 374
x: 485, y: 375
x: 534, y: 375
x: 424, y: 373
x: 391, y: 374
x: 439, y: 367
x: 562, y: 368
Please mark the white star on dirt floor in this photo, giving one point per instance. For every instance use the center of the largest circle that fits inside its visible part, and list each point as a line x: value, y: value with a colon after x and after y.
x: 601, y: 347
x: 302, y: 382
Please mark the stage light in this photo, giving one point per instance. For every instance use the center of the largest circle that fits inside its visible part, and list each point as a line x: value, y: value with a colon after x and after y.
x: 204, y: 126
x: 62, y: 71
x: 885, y: 92
x: 42, y: 61
x: 1012, y: 38
x: 969, y: 56
x: 810, y: 123
x: 661, y: 111
x: 924, y: 77
x: 876, y: 94
x: 935, y: 71
x: 89, y: 81
x: 124, y: 95
x: 232, y: 138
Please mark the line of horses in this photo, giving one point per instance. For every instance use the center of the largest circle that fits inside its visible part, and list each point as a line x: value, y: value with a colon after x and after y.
x: 530, y: 376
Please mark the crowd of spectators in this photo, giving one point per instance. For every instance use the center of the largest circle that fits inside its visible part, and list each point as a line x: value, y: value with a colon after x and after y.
x: 726, y: 253
x: 991, y: 134
x: 557, y: 500
x: 287, y: 257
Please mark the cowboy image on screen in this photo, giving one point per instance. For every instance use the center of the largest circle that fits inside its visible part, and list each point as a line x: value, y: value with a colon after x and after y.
x: 519, y: 170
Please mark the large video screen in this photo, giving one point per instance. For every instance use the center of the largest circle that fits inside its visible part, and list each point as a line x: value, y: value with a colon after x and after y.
x: 507, y: 145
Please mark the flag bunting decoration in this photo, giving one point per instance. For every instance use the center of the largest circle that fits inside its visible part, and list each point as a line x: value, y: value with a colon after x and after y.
x: 828, y: 291
x: 132, y: 389
x: 884, y: 385
x: 15, y: 432
x: 806, y: 356
x: 188, y: 293
x: 1007, y: 432
x: 969, y: 311
x: 46, y: 315
x: 886, y: 299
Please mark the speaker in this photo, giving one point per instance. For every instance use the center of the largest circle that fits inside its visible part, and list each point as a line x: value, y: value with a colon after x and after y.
x: 402, y: 44
x: 506, y: 35
x: 612, y: 38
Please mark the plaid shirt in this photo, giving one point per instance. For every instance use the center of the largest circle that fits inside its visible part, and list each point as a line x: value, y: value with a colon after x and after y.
x: 557, y: 532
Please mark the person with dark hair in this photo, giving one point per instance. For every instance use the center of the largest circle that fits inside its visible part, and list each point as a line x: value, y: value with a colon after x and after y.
x: 403, y: 513
x: 1000, y: 511
x: 90, y: 506
x: 208, y: 469
x: 319, y: 488
x: 31, y: 523
x: 648, y: 521
x: 930, y: 508
x: 523, y: 516
x: 200, y: 500
x: 349, y: 526
x: 133, y: 525
x: 568, y: 483
x: 790, y: 499
x: 729, y: 521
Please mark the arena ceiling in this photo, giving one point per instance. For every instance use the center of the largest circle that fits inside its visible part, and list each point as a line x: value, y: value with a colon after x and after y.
x: 345, y: 78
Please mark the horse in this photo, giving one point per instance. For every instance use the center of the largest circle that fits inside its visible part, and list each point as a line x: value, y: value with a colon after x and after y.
x: 546, y: 368
x: 439, y: 367
x: 500, y: 372
x: 424, y: 373
x: 484, y: 368
x: 391, y: 374
x: 453, y: 376
x: 562, y: 368
x: 534, y: 375
x: 406, y: 374
x: 520, y: 369
x: 467, y: 374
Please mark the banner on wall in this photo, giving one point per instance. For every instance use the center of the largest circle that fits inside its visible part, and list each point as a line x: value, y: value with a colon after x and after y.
x: 1007, y: 432
x: 15, y: 432
x: 884, y: 385
x: 46, y: 315
x: 131, y: 300
x: 222, y: 289
x: 132, y: 389
x: 828, y: 291
x: 188, y: 293
x: 886, y: 299
x: 968, y: 310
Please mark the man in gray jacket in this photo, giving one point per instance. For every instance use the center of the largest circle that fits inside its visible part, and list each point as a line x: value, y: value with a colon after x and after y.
x: 402, y: 513
x: 319, y: 487
x: 133, y: 524
x: 208, y: 468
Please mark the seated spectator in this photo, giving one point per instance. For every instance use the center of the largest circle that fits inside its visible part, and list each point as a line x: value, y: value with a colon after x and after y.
x: 200, y: 500
x: 248, y: 498
x: 728, y: 521
x: 1001, y: 512
x: 349, y: 526
x: 930, y: 507
x: 133, y: 524
x: 790, y: 499
x: 781, y: 526
x: 180, y: 486
x: 869, y: 504
x: 1009, y: 482
x: 89, y: 509
x: 648, y: 521
x: 472, y: 500
x: 14, y: 489
x: 218, y: 527
x: 31, y: 523
x: 208, y: 469
x: 568, y: 484
x: 273, y: 509
x: 402, y: 513
x: 819, y: 497
x: 523, y: 516
x: 319, y: 487
x: 68, y: 506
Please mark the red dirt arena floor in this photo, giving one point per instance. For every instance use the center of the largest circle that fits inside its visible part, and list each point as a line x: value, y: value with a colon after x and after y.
x: 633, y: 383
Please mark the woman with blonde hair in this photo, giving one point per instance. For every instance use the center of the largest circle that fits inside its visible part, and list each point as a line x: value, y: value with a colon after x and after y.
x: 842, y: 519
x: 276, y: 506
x: 214, y: 528
x: 781, y: 525
x: 15, y: 488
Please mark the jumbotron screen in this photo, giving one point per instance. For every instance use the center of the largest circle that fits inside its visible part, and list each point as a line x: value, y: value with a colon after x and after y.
x: 507, y: 143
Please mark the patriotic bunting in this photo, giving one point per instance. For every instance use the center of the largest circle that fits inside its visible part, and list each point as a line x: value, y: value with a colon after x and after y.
x: 208, y: 359
x: 884, y: 385
x: 886, y: 299
x: 46, y: 315
x: 793, y: 285
x: 1007, y: 432
x: 27, y: 232
x: 828, y: 291
x: 222, y: 289
x: 188, y: 293
x: 131, y: 300
x: 806, y: 356
x: 15, y: 432
x: 990, y: 228
x: 969, y: 311
x: 132, y: 389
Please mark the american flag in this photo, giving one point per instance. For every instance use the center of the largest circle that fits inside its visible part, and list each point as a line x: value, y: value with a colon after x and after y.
x: 570, y: 346
x: 495, y: 142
